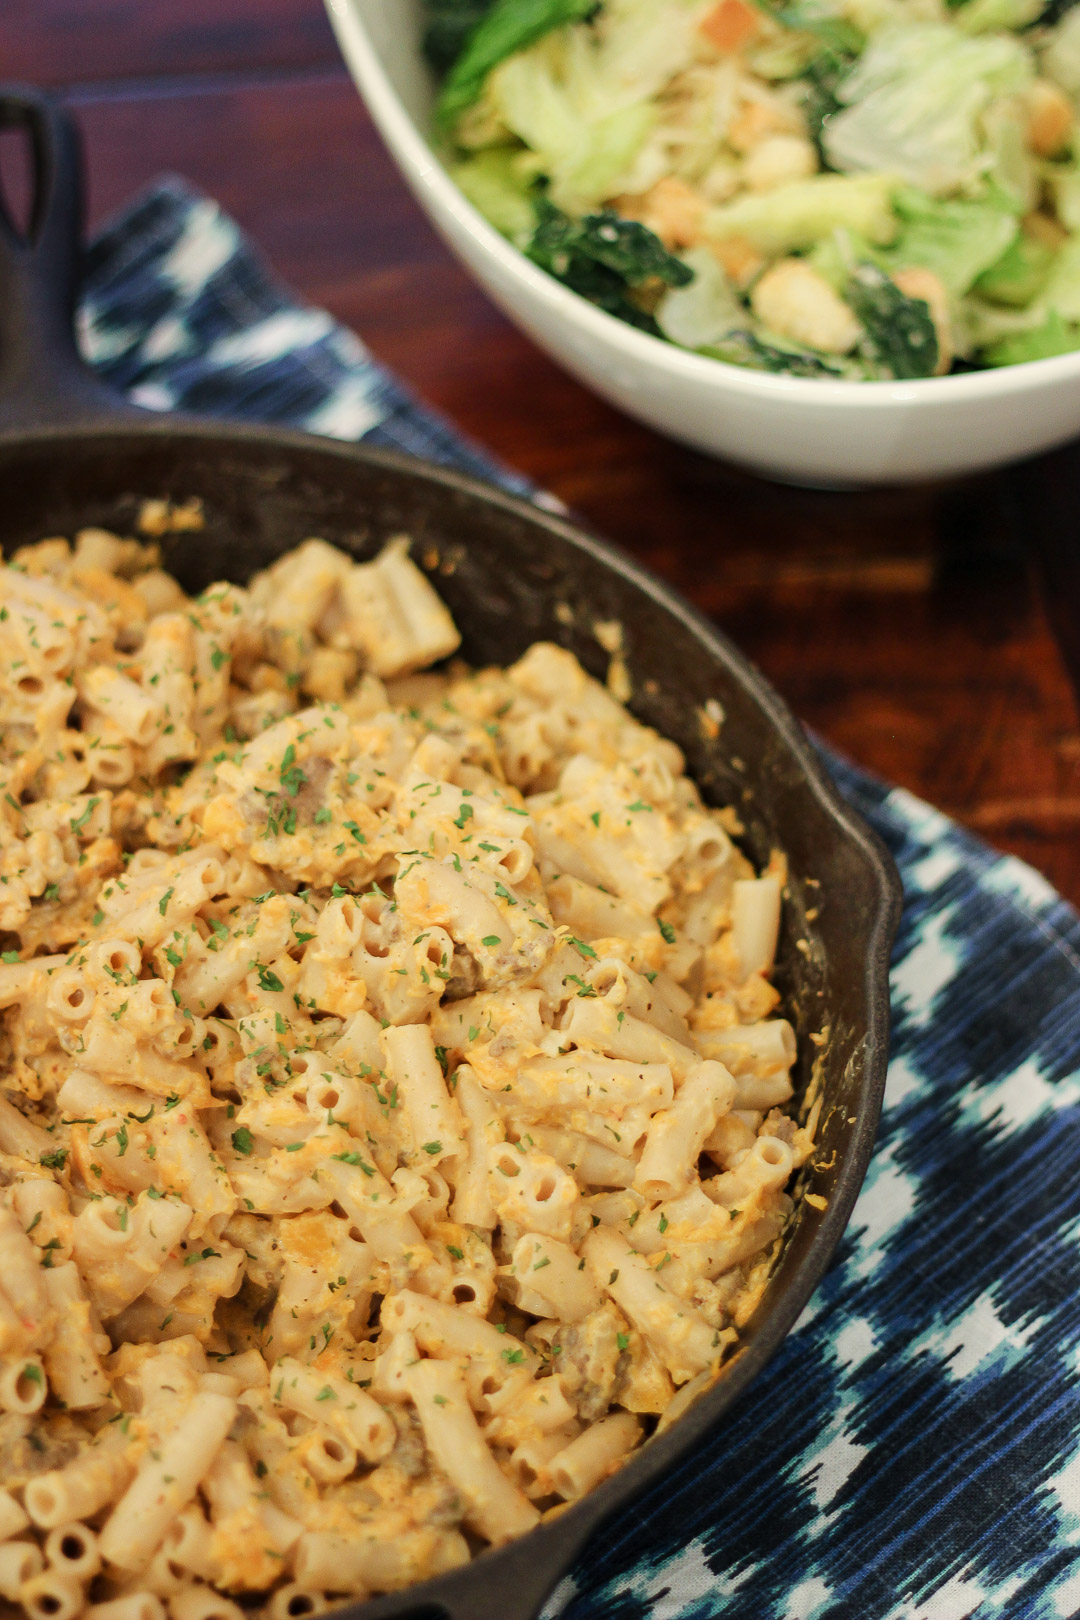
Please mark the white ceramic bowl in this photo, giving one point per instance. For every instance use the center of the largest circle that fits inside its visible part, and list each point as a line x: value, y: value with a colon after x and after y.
x: 799, y: 429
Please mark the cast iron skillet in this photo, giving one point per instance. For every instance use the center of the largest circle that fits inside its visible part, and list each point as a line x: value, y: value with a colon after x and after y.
x: 72, y: 454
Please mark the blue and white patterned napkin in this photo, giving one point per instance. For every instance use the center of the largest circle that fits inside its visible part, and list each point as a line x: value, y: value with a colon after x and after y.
x: 913, y: 1450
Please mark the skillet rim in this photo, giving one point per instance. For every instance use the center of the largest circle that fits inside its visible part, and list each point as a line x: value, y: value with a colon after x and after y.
x: 461, y: 1594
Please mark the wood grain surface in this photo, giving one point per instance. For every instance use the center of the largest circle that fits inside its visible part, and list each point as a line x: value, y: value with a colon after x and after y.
x: 909, y: 627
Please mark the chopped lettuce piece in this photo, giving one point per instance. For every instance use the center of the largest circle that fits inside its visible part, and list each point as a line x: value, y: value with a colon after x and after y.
x: 1053, y: 337
x: 836, y: 256
x: 1011, y: 167
x: 1062, y: 289
x: 603, y: 257
x: 993, y: 328
x: 982, y: 323
x: 1020, y: 274
x: 584, y: 99
x: 956, y: 239
x: 1062, y: 181
x: 832, y: 260
x: 985, y: 16
x: 705, y: 309
x: 448, y: 27
x: 494, y: 183
x: 800, y: 213
x: 508, y: 27
x: 900, y: 330
x: 912, y: 104
x: 1061, y: 54
x: 583, y: 153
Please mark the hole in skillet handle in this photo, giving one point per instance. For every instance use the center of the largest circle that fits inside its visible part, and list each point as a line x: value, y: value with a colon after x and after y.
x: 43, y: 382
x: 19, y: 165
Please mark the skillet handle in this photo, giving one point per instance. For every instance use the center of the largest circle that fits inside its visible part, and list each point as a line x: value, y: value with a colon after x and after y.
x: 43, y: 381
x: 530, y: 1570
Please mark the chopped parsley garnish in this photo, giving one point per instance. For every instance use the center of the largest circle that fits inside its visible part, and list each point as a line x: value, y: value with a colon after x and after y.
x: 354, y: 1158
x: 79, y: 822
x: 291, y: 776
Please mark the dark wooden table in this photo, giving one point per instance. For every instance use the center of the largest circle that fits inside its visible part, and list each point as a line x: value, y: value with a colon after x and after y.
x: 910, y: 627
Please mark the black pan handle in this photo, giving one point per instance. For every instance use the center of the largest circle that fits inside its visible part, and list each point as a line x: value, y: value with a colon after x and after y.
x: 43, y: 381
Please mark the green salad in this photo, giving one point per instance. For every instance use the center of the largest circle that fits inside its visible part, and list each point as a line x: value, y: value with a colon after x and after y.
x: 861, y: 189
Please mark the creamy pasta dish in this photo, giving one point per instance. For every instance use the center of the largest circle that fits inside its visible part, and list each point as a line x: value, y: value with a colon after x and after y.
x: 391, y: 1097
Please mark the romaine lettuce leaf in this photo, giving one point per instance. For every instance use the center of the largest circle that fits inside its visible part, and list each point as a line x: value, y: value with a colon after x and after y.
x: 1062, y: 181
x: 508, y: 27
x: 996, y: 329
x: 985, y: 16
x: 1062, y: 289
x: 584, y: 99
x: 1011, y: 167
x: 494, y: 183
x: 1042, y: 343
x: 706, y: 309
x: 835, y: 257
x: 913, y: 102
x: 1020, y: 275
x: 802, y: 212
x: 1061, y: 54
x: 956, y: 239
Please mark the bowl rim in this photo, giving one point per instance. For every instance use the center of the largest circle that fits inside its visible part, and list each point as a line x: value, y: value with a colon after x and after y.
x: 427, y: 174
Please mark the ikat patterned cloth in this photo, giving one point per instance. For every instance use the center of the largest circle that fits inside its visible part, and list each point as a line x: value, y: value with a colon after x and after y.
x: 913, y: 1450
